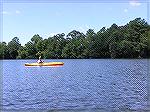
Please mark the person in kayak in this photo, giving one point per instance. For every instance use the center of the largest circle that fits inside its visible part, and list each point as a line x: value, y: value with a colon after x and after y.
x: 40, y: 61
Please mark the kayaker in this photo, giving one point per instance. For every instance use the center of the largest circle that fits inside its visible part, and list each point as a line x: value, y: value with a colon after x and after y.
x: 40, y: 61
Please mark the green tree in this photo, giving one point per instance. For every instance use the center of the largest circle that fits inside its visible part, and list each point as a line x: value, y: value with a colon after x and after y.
x: 74, y: 45
x: 36, y: 38
x: 2, y: 50
x: 31, y: 50
x: 54, y: 46
x: 22, y: 53
x: 129, y: 41
x: 13, y: 47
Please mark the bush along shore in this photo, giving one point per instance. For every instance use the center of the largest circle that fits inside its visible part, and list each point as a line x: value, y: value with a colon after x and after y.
x: 129, y: 41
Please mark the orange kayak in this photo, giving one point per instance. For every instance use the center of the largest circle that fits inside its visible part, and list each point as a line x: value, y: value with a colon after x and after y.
x: 45, y: 64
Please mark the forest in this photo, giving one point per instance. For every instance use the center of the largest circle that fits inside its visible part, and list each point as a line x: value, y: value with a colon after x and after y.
x: 128, y: 41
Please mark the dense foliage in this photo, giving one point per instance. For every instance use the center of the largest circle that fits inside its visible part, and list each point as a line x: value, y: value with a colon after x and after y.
x: 129, y: 41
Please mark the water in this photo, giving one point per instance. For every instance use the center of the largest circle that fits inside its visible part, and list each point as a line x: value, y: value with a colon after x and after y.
x: 92, y: 85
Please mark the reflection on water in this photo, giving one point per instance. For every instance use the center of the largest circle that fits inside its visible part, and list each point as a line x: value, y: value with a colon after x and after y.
x: 80, y: 85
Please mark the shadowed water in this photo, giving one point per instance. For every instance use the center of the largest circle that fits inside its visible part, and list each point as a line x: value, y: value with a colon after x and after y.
x: 93, y: 85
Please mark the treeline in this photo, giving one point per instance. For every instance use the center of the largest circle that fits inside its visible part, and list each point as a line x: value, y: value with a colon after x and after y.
x: 129, y: 41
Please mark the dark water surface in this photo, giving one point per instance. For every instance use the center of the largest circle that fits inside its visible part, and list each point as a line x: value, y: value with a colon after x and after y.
x: 92, y: 85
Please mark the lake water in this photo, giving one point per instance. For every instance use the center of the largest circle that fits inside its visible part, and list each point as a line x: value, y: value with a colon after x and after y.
x: 83, y: 85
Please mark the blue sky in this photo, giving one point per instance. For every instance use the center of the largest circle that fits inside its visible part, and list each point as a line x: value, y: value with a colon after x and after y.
x: 46, y: 19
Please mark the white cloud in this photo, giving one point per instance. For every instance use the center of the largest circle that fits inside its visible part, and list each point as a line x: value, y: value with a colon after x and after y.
x: 11, y: 13
x: 134, y: 3
x: 125, y: 10
x: 17, y: 12
x: 5, y: 12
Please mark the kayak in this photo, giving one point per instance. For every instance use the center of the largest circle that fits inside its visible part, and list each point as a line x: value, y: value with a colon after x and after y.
x: 45, y: 64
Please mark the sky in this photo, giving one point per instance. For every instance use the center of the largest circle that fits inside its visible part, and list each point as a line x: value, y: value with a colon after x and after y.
x: 23, y: 20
